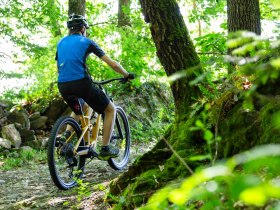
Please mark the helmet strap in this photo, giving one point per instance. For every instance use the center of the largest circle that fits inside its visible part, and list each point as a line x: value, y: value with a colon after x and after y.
x: 84, y: 31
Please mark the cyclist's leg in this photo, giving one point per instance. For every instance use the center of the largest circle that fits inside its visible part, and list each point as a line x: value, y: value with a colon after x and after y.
x: 101, y: 103
x: 109, y: 120
x: 77, y: 116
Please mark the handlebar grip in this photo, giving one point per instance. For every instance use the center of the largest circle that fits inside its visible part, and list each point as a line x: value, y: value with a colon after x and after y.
x: 130, y: 76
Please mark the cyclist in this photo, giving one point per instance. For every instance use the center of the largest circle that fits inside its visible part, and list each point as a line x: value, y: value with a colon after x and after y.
x: 75, y: 82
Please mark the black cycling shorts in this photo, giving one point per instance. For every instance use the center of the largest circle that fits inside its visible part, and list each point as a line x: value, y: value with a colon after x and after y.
x: 85, y: 89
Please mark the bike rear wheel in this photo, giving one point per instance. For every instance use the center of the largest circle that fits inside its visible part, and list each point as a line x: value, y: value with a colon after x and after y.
x: 121, y: 140
x: 65, y: 167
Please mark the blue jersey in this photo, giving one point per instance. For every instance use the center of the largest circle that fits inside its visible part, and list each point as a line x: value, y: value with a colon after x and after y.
x: 71, y: 55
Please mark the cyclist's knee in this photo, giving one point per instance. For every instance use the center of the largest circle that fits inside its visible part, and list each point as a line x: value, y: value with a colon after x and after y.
x: 110, y: 108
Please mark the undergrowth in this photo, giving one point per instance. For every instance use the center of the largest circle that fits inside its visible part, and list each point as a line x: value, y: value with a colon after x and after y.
x: 21, y: 158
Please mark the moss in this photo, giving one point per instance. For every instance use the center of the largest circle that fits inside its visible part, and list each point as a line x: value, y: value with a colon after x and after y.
x: 140, y: 190
x: 239, y: 129
x: 242, y: 130
x: 181, y: 134
x: 270, y: 133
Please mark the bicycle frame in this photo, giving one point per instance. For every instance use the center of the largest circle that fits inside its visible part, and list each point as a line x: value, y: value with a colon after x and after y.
x: 89, y: 132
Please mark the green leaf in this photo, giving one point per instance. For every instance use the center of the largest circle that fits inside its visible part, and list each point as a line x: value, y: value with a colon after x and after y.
x: 275, y: 63
x: 276, y: 3
x: 199, y: 124
x: 208, y: 135
x: 200, y: 157
x: 276, y: 120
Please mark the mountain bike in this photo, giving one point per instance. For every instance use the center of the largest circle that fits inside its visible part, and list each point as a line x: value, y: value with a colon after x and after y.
x: 67, y: 159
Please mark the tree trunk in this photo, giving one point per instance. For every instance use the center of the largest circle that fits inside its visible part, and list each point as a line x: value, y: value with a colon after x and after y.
x: 176, y: 53
x: 77, y: 7
x: 175, y: 49
x: 244, y: 15
x: 124, y: 13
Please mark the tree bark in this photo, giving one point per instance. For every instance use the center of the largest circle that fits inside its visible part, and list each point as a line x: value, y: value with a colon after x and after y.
x: 77, y: 7
x: 244, y: 15
x: 124, y: 13
x: 175, y: 49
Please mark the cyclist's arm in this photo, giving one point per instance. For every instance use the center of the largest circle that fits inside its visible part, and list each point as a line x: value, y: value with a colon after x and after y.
x: 115, y: 65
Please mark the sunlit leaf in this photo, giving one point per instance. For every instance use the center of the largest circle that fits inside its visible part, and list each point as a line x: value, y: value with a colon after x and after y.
x: 259, y: 195
x: 254, y: 196
x: 199, y: 124
x: 200, y: 157
x: 275, y: 63
x: 276, y: 3
x: 276, y: 119
x: 208, y: 135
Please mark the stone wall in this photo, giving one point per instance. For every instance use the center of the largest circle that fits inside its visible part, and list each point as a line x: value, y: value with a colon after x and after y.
x: 19, y: 128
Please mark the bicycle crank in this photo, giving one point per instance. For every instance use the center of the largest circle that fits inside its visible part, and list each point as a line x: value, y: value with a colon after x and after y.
x: 67, y: 151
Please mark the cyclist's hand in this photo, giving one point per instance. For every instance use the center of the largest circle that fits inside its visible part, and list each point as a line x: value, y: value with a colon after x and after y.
x: 129, y: 77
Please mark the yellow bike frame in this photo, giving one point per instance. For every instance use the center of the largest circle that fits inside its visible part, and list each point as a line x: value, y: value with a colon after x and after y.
x: 89, y: 132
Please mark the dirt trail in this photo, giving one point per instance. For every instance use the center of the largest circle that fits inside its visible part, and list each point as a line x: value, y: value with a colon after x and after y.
x: 31, y: 187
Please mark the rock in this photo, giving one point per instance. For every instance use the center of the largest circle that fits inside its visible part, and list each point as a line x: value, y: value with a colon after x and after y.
x: 18, y: 125
x: 19, y: 116
x: 27, y: 135
x: 10, y: 133
x: 56, y: 108
x: 5, y: 143
x: 38, y: 123
x: 3, y: 112
x: 3, y: 104
x: 40, y: 132
x: 44, y: 142
x: 35, y: 144
x: 3, y: 121
x: 34, y: 116
x: 25, y: 148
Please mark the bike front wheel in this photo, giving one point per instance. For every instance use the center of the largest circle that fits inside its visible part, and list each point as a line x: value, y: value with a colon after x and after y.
x: 64, y: 165
x: 121, y: 140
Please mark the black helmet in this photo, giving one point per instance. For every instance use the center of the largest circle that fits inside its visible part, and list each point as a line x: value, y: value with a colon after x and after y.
x: 76, y: 21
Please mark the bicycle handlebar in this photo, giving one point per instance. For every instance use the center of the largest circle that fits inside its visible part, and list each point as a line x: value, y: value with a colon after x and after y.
x: 107, y: 81
x: 121, y: 79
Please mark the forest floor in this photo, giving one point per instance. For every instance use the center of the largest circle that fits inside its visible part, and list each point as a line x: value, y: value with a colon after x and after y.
x: 31, y: 187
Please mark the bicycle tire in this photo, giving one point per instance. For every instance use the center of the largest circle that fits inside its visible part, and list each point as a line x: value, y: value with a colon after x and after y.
x: 59, y: 158
x: 121, y: 140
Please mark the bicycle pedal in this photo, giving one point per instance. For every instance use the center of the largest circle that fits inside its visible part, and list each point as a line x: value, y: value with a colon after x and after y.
x: 103, y: 158
x: 92, y: 154
x: 72, y: 162
x: 106, y: 158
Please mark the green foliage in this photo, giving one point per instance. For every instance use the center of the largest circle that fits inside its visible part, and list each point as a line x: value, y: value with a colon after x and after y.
x: 224, y: 186
x: 147, y: 106
x: 247, y: 180
x: 205, y: 10
x: 210, y: 137
x: 83, y: 190
x: 270, y: 9
x: 21, y: 158
x: 258, y: 60
x: 132, y: 46
x: 21, y: 19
